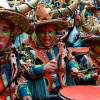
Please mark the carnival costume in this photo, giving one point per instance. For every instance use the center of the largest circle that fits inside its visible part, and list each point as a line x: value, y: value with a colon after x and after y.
x: 9, y: 57
x: 86, y: 78
x: 49, y: 84
x: 38, y: 84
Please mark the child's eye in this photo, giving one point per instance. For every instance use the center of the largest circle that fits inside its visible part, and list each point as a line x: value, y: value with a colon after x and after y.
x: 5, y: 30
x: 50, y: 32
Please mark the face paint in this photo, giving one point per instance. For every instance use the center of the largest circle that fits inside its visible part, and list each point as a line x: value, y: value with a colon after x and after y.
x: 46, y: 34
x: 42, y: 34
x: 6, y: 31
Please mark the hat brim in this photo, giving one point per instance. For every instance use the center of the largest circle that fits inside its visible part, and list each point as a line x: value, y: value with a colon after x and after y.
x: 88, y: 40
x: 61, y: 24
x: 92, y: 9
x: 18, y: 19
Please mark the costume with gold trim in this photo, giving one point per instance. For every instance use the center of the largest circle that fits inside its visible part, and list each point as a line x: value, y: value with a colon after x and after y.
x: 39, y: 81
x: 85, y: 62
x: 8, y: 70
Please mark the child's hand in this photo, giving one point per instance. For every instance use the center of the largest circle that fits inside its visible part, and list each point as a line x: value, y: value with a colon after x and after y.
x: 74, y: 72
x: 50, y: 67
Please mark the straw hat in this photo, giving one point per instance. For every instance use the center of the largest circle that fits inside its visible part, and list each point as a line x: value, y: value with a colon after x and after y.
x: 19, y: 21
x: 89, y: 39
x: 61, y: 24
x: 94, y: 51
x: 92, y: 9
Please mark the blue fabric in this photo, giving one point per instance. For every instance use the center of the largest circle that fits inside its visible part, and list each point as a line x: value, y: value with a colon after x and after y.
x: 36, y: 86
x: 95, y: 5
x: 96, y: 20
x: 78, y: 43
x: 73, y: 64
x: 49, y: 55
x: 70, y: 81
x: 73, y: 35
x: 24, y: 90
x: 88, y: 77
x: 7, y: 71
x: 22, y: 37
x: 37, y: 70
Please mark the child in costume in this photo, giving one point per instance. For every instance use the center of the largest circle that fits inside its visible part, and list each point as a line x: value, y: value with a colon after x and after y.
x: 88, y: 60
x: 42, y: 77
x: 48, y: 73
x: 12, y: 24
x: 9, y: 29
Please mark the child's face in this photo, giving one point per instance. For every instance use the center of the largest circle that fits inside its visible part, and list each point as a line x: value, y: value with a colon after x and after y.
x: 46, y: 34
x: 4, y: 33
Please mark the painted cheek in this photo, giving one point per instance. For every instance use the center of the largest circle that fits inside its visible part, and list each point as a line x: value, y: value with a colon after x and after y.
x: 7, y: 33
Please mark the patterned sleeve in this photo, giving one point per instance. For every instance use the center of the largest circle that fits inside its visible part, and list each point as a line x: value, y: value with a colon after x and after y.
x: 72, y: 64
x: 23, y: 91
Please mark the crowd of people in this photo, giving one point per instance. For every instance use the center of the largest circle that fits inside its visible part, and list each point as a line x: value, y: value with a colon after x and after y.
x: 62, y: 47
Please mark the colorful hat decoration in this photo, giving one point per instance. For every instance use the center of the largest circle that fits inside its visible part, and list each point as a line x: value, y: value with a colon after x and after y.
x: 61, y: 23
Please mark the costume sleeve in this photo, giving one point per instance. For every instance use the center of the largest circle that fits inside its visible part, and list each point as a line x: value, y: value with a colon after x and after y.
x: 89, y: 79
x: 36, y: 71
x: 72, y: 64
x: 85, y: 80
x: 21, y: 84
x: 23, y: 90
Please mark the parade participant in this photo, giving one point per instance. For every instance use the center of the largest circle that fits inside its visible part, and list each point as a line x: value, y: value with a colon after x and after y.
x: 73, y: 38
x: 9, y: 29
x: 80, y: 75
x: 93, y: 55
x: 12, y: 24
x: 87, y: 61
x: 45, y: 51
x: 45, y: 76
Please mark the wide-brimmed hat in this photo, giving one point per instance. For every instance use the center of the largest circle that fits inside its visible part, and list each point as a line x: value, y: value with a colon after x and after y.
x: 92, y: 9
x: 61, y: 24
x: 18, y: 20
x: 89, y: 39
